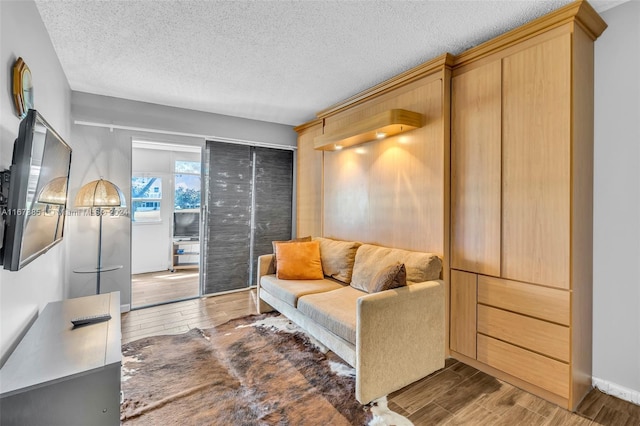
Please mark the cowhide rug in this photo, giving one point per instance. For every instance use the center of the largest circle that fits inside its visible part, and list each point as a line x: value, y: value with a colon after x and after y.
x: 257, y: 370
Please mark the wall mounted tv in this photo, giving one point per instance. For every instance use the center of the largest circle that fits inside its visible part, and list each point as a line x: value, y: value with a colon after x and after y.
x: 186, y: 224
x: 38, y: 190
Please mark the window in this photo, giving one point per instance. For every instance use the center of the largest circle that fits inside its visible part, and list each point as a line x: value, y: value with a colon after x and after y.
x: 146, y: 195
x: 191, y: 167
x: 187, y: 185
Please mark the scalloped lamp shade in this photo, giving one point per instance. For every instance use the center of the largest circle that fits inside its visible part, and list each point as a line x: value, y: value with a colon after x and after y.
x: 54, y: 192
x: 100, y: 193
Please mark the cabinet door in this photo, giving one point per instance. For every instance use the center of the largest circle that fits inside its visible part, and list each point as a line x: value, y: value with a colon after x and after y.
x: 475, y: 169
x: 536, y: 163
x: 463, y: 313
x: 309, y: 191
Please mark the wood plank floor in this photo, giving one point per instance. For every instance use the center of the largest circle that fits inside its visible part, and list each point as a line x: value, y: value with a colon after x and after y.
x: 174, y: 318
x: 161, y: 287
x: 456, y: 395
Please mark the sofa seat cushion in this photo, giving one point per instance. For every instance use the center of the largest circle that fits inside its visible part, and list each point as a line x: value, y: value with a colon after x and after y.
x: 289, y: 291
x: 335, y: 310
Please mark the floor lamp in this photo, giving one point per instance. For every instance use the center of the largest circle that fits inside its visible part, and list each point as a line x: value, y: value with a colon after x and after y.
x: 100, y: 194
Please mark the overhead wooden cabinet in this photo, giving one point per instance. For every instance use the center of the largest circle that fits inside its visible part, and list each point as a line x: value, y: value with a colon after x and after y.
x: 522, y: 206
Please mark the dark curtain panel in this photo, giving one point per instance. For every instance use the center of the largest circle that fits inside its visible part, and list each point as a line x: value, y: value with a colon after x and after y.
x: 273, y: 193
x: 228, y: 217
x: 249, y: 205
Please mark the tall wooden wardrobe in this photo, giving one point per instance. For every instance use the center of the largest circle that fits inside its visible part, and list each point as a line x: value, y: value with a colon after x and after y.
x: 522, y: 205
x: 516, y: 235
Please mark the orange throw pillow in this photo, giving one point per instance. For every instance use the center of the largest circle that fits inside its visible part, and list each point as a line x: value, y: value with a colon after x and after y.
x: 275, y: 248
x: 299, y: 261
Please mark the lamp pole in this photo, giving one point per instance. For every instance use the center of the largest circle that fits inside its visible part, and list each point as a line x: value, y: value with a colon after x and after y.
x: 99, y: 252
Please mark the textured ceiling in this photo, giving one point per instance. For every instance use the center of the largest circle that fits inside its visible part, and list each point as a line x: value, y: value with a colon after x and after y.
x: 278, y: 61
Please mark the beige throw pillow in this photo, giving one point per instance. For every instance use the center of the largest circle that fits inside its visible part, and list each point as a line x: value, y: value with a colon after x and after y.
x: 393, y: 276
x: 337, y: 258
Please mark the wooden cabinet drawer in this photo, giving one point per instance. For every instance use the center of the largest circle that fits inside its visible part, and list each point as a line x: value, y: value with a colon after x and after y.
x: 528, y: 299
x: 536, y: 369
x: 534, y: 334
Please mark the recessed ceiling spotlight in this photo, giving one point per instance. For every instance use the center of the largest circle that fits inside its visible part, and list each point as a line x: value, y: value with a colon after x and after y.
x: 381, y: 135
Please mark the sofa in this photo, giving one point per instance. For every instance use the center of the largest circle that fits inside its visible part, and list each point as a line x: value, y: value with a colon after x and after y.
x: 391, y: 337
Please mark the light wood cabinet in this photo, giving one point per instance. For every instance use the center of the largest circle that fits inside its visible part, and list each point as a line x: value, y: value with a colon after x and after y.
x: 522, y: 184
x: 476, y: 122
x: 499, y: 180
x: 463, y: 313
x: 309, y: 181
x: 536, y: 158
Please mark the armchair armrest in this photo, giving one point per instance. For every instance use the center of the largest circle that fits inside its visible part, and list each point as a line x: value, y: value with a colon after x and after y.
x: 265, y: 267
x: 400, y: 338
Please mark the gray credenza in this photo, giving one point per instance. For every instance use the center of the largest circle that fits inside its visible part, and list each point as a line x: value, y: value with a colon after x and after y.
x: 61, y: 375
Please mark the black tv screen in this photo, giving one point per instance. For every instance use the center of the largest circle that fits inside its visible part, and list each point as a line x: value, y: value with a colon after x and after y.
x: 186, y: 224
x: 37, y: 192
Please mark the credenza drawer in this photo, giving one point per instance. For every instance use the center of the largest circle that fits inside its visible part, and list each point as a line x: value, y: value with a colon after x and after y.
x: 534, y: 334
x: 528, y: 299
x: 536, y: 369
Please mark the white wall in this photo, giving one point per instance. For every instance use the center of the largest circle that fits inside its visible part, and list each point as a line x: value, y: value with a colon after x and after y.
x: 22, y: 33
x: 616, y: 269
x: 108, y: 153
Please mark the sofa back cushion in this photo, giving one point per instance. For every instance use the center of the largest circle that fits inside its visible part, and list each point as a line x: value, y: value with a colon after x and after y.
x: 337, y: 258
x: 370, y: 260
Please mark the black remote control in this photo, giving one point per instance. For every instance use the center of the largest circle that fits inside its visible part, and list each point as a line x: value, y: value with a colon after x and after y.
x: 90, y: 319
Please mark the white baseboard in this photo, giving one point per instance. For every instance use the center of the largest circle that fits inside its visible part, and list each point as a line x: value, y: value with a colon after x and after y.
x: 125, y: 308
x: 616, y: 390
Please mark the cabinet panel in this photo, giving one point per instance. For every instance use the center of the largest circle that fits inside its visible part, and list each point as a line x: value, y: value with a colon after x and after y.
x: 536, y: 369
x: 390, y: 191
x: 476, y: 169
x: 309, y: 182
x: 463, y: 313
x: 536, y: 163
x: 540, y: 302
x: 534, y: 334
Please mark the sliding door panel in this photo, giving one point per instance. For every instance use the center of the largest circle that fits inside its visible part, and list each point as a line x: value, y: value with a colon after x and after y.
x: 249, y: 205
x: 228, y: 225
x: 273, y: 193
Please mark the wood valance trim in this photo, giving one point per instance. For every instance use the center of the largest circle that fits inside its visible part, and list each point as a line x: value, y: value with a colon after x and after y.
x: 379, y: 126
x: 579, y: 11
x: 427, y: 68
x: 304, y: 126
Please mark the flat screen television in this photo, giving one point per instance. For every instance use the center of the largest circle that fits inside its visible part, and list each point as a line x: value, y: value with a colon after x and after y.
x: 38, y: 191
x: 186, y: 224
